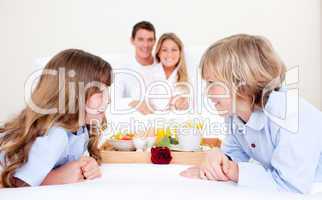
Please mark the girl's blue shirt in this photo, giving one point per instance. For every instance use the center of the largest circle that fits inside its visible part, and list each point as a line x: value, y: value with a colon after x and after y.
x: 50, y: 151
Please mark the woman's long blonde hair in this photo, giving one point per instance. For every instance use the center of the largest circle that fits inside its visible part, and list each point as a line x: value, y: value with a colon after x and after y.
x: 247, y: 64
x: 181, y: 65
x: 18, y: 134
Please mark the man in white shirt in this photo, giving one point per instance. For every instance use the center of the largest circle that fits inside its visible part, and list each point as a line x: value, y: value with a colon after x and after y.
x: 143, y: 39
x: 134, y: 76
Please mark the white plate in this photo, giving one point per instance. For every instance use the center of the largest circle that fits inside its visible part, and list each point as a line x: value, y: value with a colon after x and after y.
x: 177, y: 147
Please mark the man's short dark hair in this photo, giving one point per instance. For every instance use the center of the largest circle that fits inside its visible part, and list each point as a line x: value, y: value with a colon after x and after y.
x: 142, y: 25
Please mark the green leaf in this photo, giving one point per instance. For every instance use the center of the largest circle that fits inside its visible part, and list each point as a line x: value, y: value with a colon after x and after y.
x: 165, y: 142
x: 173, y: 140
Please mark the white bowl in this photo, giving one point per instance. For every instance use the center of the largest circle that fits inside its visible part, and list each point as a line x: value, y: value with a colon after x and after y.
x: 122, y: 145
x: 140, y: 143
x: 189, y: 139
x: 150, y: 141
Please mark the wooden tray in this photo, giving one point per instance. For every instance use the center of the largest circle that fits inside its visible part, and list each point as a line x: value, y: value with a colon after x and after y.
x: 185, y: 158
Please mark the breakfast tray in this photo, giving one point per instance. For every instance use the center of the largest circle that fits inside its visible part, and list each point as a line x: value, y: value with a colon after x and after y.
x: 109, y: 155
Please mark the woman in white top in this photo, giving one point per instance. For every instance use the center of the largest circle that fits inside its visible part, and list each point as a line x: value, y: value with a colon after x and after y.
x: 169, y: 54
x: 168, y: 81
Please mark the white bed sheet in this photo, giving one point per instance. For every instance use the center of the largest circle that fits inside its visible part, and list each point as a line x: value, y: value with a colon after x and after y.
x: 145, y: 181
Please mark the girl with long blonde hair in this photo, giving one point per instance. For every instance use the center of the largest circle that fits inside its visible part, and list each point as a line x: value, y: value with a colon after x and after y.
x: 44, y: 144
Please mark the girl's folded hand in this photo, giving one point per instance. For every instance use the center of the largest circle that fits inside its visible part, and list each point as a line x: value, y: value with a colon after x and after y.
x: 90, y: 169
x: 71, y: 172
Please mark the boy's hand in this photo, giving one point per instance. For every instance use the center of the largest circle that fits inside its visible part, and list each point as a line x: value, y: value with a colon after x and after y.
x: 191, y: 172
x: 216, y: 166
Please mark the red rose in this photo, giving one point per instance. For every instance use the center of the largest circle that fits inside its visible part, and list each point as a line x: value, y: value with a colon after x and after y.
x: 161, y: 155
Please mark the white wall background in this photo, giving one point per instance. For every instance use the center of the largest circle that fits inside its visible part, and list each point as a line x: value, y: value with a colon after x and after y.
x: 36, y: 28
